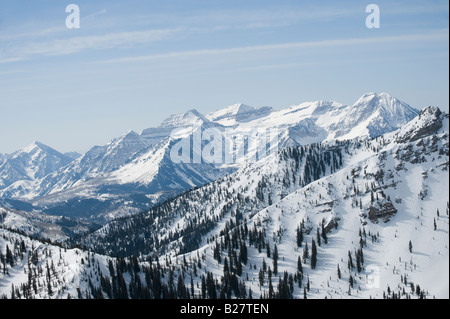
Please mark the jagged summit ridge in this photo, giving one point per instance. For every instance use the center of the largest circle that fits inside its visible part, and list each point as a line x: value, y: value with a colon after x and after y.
x: 429, y: 121
x: 238, y: 113
x: 32, y: 162
x: 190, y: 118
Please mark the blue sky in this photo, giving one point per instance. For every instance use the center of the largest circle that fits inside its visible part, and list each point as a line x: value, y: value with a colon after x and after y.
x: 133, y: 63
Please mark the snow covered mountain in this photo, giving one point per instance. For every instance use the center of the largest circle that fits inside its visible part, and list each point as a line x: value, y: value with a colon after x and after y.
x: 357, y: 198
x: 130, y: 170
x: 361, y: 218
x: 96, y: 162
x: 30, y: 163
x: 127, y: 175
x: 238, y: 113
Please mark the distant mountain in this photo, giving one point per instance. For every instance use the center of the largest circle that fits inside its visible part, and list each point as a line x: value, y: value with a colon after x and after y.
x: 96, y: 162
x: 30, y: 163
x: 135, y: 171
x: 372, y: 115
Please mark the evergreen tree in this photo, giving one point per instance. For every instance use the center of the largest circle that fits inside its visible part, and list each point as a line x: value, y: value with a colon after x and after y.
x: 275, y: 259
x: 319, y: 242
x: 324, y: 233
x: 299, y: 265
x: 299, y: 272
x: 313, y: 255
x: 261, y: 277
x: 339, y: 272
x: 305, y: 253
x: 225, y: 266
x: 271, y: 292
x: 358, y: 261
x: 9, y: 256
x: 239, y: 265
x: 350, y: 261
x: 308, y: 285
x: 299, y: 236
x: 243, y: 253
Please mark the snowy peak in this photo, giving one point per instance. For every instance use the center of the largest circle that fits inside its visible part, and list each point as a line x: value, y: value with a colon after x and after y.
x: 190, y: 118
x: 322, y: 106
x: 121, y: 150
x: 32, y: 162
x: 128, y: 138
x: 429, y: 121
x: 372, y: 115
x: 394, y: 111
x: 36, y: 147
x: 117, y: 152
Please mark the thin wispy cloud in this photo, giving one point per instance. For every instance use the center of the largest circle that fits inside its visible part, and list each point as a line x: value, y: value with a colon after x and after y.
x: 95, y: 14
x: 35, y: 33
x: 79, y: 44
x: 441, y: 35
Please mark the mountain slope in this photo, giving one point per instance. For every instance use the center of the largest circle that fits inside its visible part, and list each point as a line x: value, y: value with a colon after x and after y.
x: 386, y: 194
x: 373, y: 114
x: 30, y: 163
x: 357, y: 205
x: 111, y: 175
x: 238, y: 113
x: 43, y: 226
x: 96, y: 162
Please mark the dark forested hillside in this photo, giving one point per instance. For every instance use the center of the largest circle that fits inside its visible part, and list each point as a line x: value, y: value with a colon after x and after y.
x: 184, y: 223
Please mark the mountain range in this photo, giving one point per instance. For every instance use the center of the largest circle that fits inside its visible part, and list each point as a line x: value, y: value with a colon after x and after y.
x: 361, y: 217
x: 135, y: 171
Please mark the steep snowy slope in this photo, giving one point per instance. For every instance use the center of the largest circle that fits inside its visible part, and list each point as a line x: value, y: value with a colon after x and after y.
x: 238, y: 113
x: 30, y: 163
x: 31, y: 269
x: 381, y: 204
x: 385, y: 216
x: 373, y: 114
x: 98, y: 161
x: 183, y: 223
